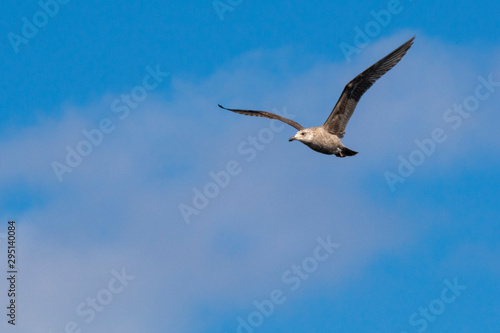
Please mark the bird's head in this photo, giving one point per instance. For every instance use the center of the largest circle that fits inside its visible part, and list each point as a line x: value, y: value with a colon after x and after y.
x: 305, y: 135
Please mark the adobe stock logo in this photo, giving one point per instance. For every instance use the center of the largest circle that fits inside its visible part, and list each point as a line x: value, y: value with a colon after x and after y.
x: 292, y: 279
x: 372, y: 28
x: 454, y: 117
x: 88, y: 310
x: 428, y: 314
x: 248, y: 148
x: 221, y: 7
x: 30, y: 28
x: 122, y: 106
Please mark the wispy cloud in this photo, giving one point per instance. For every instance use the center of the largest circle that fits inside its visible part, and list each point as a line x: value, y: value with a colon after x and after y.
x: 120, y: 206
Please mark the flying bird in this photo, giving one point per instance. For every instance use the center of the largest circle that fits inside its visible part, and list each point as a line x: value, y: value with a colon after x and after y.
x: 326, y: 138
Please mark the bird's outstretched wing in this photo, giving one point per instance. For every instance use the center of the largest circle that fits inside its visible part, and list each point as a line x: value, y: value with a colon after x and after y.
x: 266, y: 115
x: 342, y: 112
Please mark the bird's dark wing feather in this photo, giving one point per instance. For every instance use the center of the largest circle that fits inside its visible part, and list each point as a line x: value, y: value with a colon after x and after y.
x: 353, y: 91
x: 266, y: 115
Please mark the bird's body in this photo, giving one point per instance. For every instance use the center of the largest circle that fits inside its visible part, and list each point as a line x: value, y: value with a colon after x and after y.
x: 326, y: 138
x: 320, y: 140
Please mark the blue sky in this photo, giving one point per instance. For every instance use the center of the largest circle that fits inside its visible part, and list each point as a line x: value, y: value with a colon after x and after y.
x: 110, y: 129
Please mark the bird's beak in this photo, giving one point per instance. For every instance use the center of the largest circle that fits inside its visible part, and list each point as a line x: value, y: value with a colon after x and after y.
x: 292, y: 138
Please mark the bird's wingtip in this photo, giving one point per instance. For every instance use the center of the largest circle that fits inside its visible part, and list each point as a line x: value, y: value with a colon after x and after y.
x: 221, y: 106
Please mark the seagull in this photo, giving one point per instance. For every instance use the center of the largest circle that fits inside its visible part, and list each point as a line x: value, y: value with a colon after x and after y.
x: 326, y: 138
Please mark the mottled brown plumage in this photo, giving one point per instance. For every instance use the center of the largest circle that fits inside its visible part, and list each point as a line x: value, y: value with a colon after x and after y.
x: 326, y: 139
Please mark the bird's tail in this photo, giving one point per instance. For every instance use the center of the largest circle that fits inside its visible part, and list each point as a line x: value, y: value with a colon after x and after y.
x: 347, y: 152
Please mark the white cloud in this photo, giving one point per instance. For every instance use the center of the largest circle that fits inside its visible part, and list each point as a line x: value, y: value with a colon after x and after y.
x: 119, y: 208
